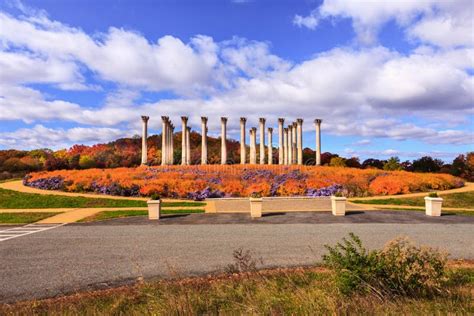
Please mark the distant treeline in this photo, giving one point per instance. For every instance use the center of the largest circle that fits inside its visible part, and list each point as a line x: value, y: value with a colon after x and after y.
x: 126, y: 152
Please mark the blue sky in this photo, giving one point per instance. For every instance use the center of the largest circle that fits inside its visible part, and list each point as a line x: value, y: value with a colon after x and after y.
x: 387, y: 78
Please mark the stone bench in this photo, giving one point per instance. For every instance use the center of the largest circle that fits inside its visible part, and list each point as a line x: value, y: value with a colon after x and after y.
x: 273, y: 205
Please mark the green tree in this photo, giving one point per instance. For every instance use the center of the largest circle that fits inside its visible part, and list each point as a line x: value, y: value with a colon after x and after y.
x: 86, y: 162
x: 337, y: 162
x: 392, y: 164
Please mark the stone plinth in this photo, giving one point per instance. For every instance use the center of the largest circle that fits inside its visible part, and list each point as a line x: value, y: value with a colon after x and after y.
x: 154, y: 209
x: 433, y: 206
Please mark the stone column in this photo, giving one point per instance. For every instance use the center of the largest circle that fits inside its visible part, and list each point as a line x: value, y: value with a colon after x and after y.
x: 184, y: 128
x: 270, y: 146
x: 223, y: 140
x: 289, y: 145
x: 318, y: 122
x: 188, y: 146
x: 253, y: 146
x: 144, y: 139
x: 168, y: 142
x: 172, y: 144
x: 285, y: 146
x: 299, y: 140
x: 203, y: 140
x: 164, y: 135
x: 262, y: 141
x: 281, y: 155
x: 243, y: 148
x: 294, y: 143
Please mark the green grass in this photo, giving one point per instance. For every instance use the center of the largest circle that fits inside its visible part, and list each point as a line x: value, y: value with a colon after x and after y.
x: 297, y: 291
x: 24, y: 218
x: 460, y: 200
x: 18, y: 200
x: 127, y: 213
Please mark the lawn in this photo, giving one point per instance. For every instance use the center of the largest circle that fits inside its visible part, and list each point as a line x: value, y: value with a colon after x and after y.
x: 127, y: 213
x: 24, y: 218
x: 459, y: 200
x: 18, y: 200
x: 297, y: 291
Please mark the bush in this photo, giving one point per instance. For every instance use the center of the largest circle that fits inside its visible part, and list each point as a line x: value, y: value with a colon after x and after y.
x: 400, y: 268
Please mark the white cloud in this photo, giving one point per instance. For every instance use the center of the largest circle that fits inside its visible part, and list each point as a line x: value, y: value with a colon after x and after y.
x: 438, y: 22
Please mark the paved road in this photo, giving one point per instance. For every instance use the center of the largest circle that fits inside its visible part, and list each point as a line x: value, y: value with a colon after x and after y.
x: 77, y: 257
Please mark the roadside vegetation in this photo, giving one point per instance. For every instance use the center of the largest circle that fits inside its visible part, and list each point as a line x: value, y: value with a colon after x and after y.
x: 457, y: 200
x: 127, y: 213
x: 18, y: 200
x: 24, y: 218
x: 399, y: 279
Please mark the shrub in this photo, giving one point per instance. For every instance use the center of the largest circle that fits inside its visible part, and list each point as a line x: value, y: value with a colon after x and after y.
x: 433, y: 195
x: 400, y: 268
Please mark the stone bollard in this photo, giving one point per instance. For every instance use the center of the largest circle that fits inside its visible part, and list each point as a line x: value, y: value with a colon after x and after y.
x: 433, y: 206
x: 154, y: 209
x: 338, y: 205
x: 256, y: 207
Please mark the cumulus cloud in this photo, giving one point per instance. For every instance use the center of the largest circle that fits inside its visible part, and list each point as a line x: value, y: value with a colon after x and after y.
x: 437, y: 22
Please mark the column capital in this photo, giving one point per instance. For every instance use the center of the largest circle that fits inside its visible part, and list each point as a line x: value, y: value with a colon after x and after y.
x: 281, y: 120
x: 189, y: 128
x: 270, y: 129
x: 223, y: 119
x: 286, y: 129
x: 262, y: 120
x: 204, y: 119
x: 318, y: 121
x: 253, y: 129
x: 299, y: 121
x: 294, y: 124
x: 243, y: 119
x: 145, y: 118
x: 184, y: 119
x: 164, y: 119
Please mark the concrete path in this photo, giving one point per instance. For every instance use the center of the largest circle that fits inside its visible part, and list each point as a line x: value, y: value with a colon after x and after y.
x: 82, y: 256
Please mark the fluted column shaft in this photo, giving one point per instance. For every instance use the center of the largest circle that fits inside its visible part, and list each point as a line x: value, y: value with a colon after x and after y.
x: 188, y: 145
x: 144, y: 139
x: 223, y: 140
x: 281, y: 154
x: 184, y: 128
x: 318, y: 122
x: 290, y: 144
x: 253, y: 145
x: 285, y: 146
x: 203, y: 140
x: 243, y: 148
x: 164, y: 136
x: 294, y: 143
x: 270, y: 146
x: 262, y: 140
x: 299, y: 140
x: 171, y: 144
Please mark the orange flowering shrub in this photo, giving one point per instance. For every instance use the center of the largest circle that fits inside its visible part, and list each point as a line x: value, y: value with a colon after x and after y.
x: 240, y: 180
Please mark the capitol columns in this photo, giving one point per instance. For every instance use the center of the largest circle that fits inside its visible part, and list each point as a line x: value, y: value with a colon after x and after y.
x: 281, y: 155
x: 290, y: 144
x: 318, y: 122
x: 203, y: 140
x: 285, y: 146
x: 270, y: 146
x: 184, y: 129
x: 253, y: 146
x: 262, y: 140
x: 223, y: 140
x: 243, y: 148
x: 164, y: 136
x: 144, y: 139
x: 299, y: 140
x: 188, y: 146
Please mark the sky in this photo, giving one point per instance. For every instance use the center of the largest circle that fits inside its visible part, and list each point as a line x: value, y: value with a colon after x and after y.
x: 388, y: 78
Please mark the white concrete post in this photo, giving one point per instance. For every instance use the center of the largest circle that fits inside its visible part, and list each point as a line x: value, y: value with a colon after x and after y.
x: 164, y: 136
x: 270, y: 146
x: 290, y: 144
x: 253, y: 146
x: 243, y: 148
x: 300, y: 140
x: 184, y: 127
x: 203, y: 140
x: 281, y: 155
x: 318, y: 122
x: 144, y: 139
x: 223, y: 140
x: 285, y: 145
x: 262, y: 141
x: 188, y: 146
